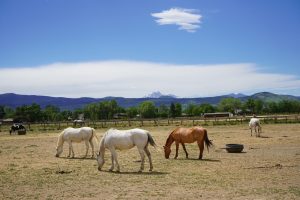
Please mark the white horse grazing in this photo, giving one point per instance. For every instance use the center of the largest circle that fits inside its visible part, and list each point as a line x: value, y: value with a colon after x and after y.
x: 70, y: 135
x: 254, y: 123
x: 115, y: 139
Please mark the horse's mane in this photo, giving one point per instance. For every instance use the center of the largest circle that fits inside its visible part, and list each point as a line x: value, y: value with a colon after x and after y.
x: 60, y: 139
x: 170, y: 138
x: 101, y: 145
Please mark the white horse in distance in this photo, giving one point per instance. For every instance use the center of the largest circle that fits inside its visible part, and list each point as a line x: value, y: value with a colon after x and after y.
x: 254, y: 123
x: 115, y: 139
x: 70, y: 135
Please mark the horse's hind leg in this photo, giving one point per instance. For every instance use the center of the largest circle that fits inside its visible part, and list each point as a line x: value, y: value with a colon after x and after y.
x: 86, y: 148
x: 92, y: 145
x: 201, y: 148
x: 177, y: 147
x: 186, y: 153
x: 141, y: 151
x: 149, y: 157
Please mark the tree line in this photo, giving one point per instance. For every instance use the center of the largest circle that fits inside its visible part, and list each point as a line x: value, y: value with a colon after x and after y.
x: 107, y: 110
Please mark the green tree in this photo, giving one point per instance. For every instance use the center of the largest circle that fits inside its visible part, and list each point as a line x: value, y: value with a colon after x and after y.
x: 189, y: 109
x: 250, y: 105
x: 230, y: 105
x: 66, y: 114
x: 178, y: 110
x: 2, y: 112
x: 132, y: 112
x: 30, y: 113
x: 147, y: 109
x: 91, y: 111
x: 9, y: 112
x: 207, y: 108
x: 51, y: 113
x: 163, y: 111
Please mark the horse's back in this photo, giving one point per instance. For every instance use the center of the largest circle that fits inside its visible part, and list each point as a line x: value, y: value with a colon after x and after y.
x: 126, y: 139
x: 78, y: 134
x: 188, y: 135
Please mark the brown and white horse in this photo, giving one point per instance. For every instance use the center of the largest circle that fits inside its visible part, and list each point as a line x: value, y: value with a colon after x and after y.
x: 187, y: 135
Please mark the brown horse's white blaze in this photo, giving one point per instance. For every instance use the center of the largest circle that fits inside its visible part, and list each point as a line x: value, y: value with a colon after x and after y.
x: 187, y: 135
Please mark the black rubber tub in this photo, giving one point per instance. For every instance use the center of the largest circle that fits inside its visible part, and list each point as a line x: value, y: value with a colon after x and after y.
x: 22, y: 132
x: 234, y: 148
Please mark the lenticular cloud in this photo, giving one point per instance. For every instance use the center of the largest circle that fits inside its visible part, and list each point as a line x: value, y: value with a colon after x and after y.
x: 186, y: 19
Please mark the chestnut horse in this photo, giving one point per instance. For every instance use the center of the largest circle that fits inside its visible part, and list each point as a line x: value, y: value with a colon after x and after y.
x: 187, y: 135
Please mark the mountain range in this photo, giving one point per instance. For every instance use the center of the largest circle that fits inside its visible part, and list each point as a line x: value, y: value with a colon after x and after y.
x: 15, y: 100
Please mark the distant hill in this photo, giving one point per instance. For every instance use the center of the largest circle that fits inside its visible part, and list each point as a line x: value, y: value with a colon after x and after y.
x: 268, y: 97
x: 15, y: 100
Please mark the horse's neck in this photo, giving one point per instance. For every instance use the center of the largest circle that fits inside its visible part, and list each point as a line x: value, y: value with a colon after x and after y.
x: 169, y: 141
x: 60, y: 140
x: 102, y: 147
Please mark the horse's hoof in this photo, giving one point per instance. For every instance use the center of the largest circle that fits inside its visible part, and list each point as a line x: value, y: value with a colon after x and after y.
x: 150, y: 170
x: 110, y: 170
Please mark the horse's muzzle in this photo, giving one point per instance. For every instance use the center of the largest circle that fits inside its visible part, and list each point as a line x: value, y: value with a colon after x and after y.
x: 99, y: 168
x: 56, y: 155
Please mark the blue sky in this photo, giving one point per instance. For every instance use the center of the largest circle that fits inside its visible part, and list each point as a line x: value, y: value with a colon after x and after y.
x: 232, y: 37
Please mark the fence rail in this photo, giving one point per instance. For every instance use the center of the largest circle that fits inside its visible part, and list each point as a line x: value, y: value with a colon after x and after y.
x: 182, y: 121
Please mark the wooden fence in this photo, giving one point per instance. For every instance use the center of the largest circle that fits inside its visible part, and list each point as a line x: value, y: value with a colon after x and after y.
x: 186, y: 121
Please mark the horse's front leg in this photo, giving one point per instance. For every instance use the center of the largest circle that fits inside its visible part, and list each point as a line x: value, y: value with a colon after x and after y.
x: 72, y: 150
x: 141, y: 151
x: 114, y: 158
x: 186, y: 153
x: 177, y: 147
x: 201, y: 148
x: 112, y: 163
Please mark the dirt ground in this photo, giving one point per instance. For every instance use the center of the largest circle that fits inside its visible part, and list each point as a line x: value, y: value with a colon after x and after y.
x: 268, y: 168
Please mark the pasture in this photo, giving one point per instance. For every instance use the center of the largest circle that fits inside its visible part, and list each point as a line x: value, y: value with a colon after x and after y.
x: 268, y: 168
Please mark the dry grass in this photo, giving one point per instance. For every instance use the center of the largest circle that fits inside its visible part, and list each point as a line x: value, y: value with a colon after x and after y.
x: 268, y: 168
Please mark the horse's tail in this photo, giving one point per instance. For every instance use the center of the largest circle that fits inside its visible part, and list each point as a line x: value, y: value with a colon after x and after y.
x: 208, y: 143
x: 151, y: 140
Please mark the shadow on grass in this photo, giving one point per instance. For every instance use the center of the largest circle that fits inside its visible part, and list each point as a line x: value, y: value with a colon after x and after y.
x: 196, y: 159
x: 264, y: 136
x: 146, y: 173
x: 77, y: 158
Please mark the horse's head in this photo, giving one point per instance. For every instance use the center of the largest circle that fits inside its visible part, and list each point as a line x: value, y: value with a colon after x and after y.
x: 59, y: 150
x: 167, y: 152
x: 100, y: 161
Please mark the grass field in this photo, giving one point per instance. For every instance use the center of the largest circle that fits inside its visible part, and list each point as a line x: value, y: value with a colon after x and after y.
x: 269, y: 168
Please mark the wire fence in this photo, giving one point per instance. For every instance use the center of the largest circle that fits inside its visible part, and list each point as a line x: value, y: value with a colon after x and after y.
x: 131, y: 123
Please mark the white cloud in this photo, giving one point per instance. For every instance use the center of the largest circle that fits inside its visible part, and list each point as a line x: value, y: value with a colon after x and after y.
x: 186, y: 19
x: 137, y: 79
